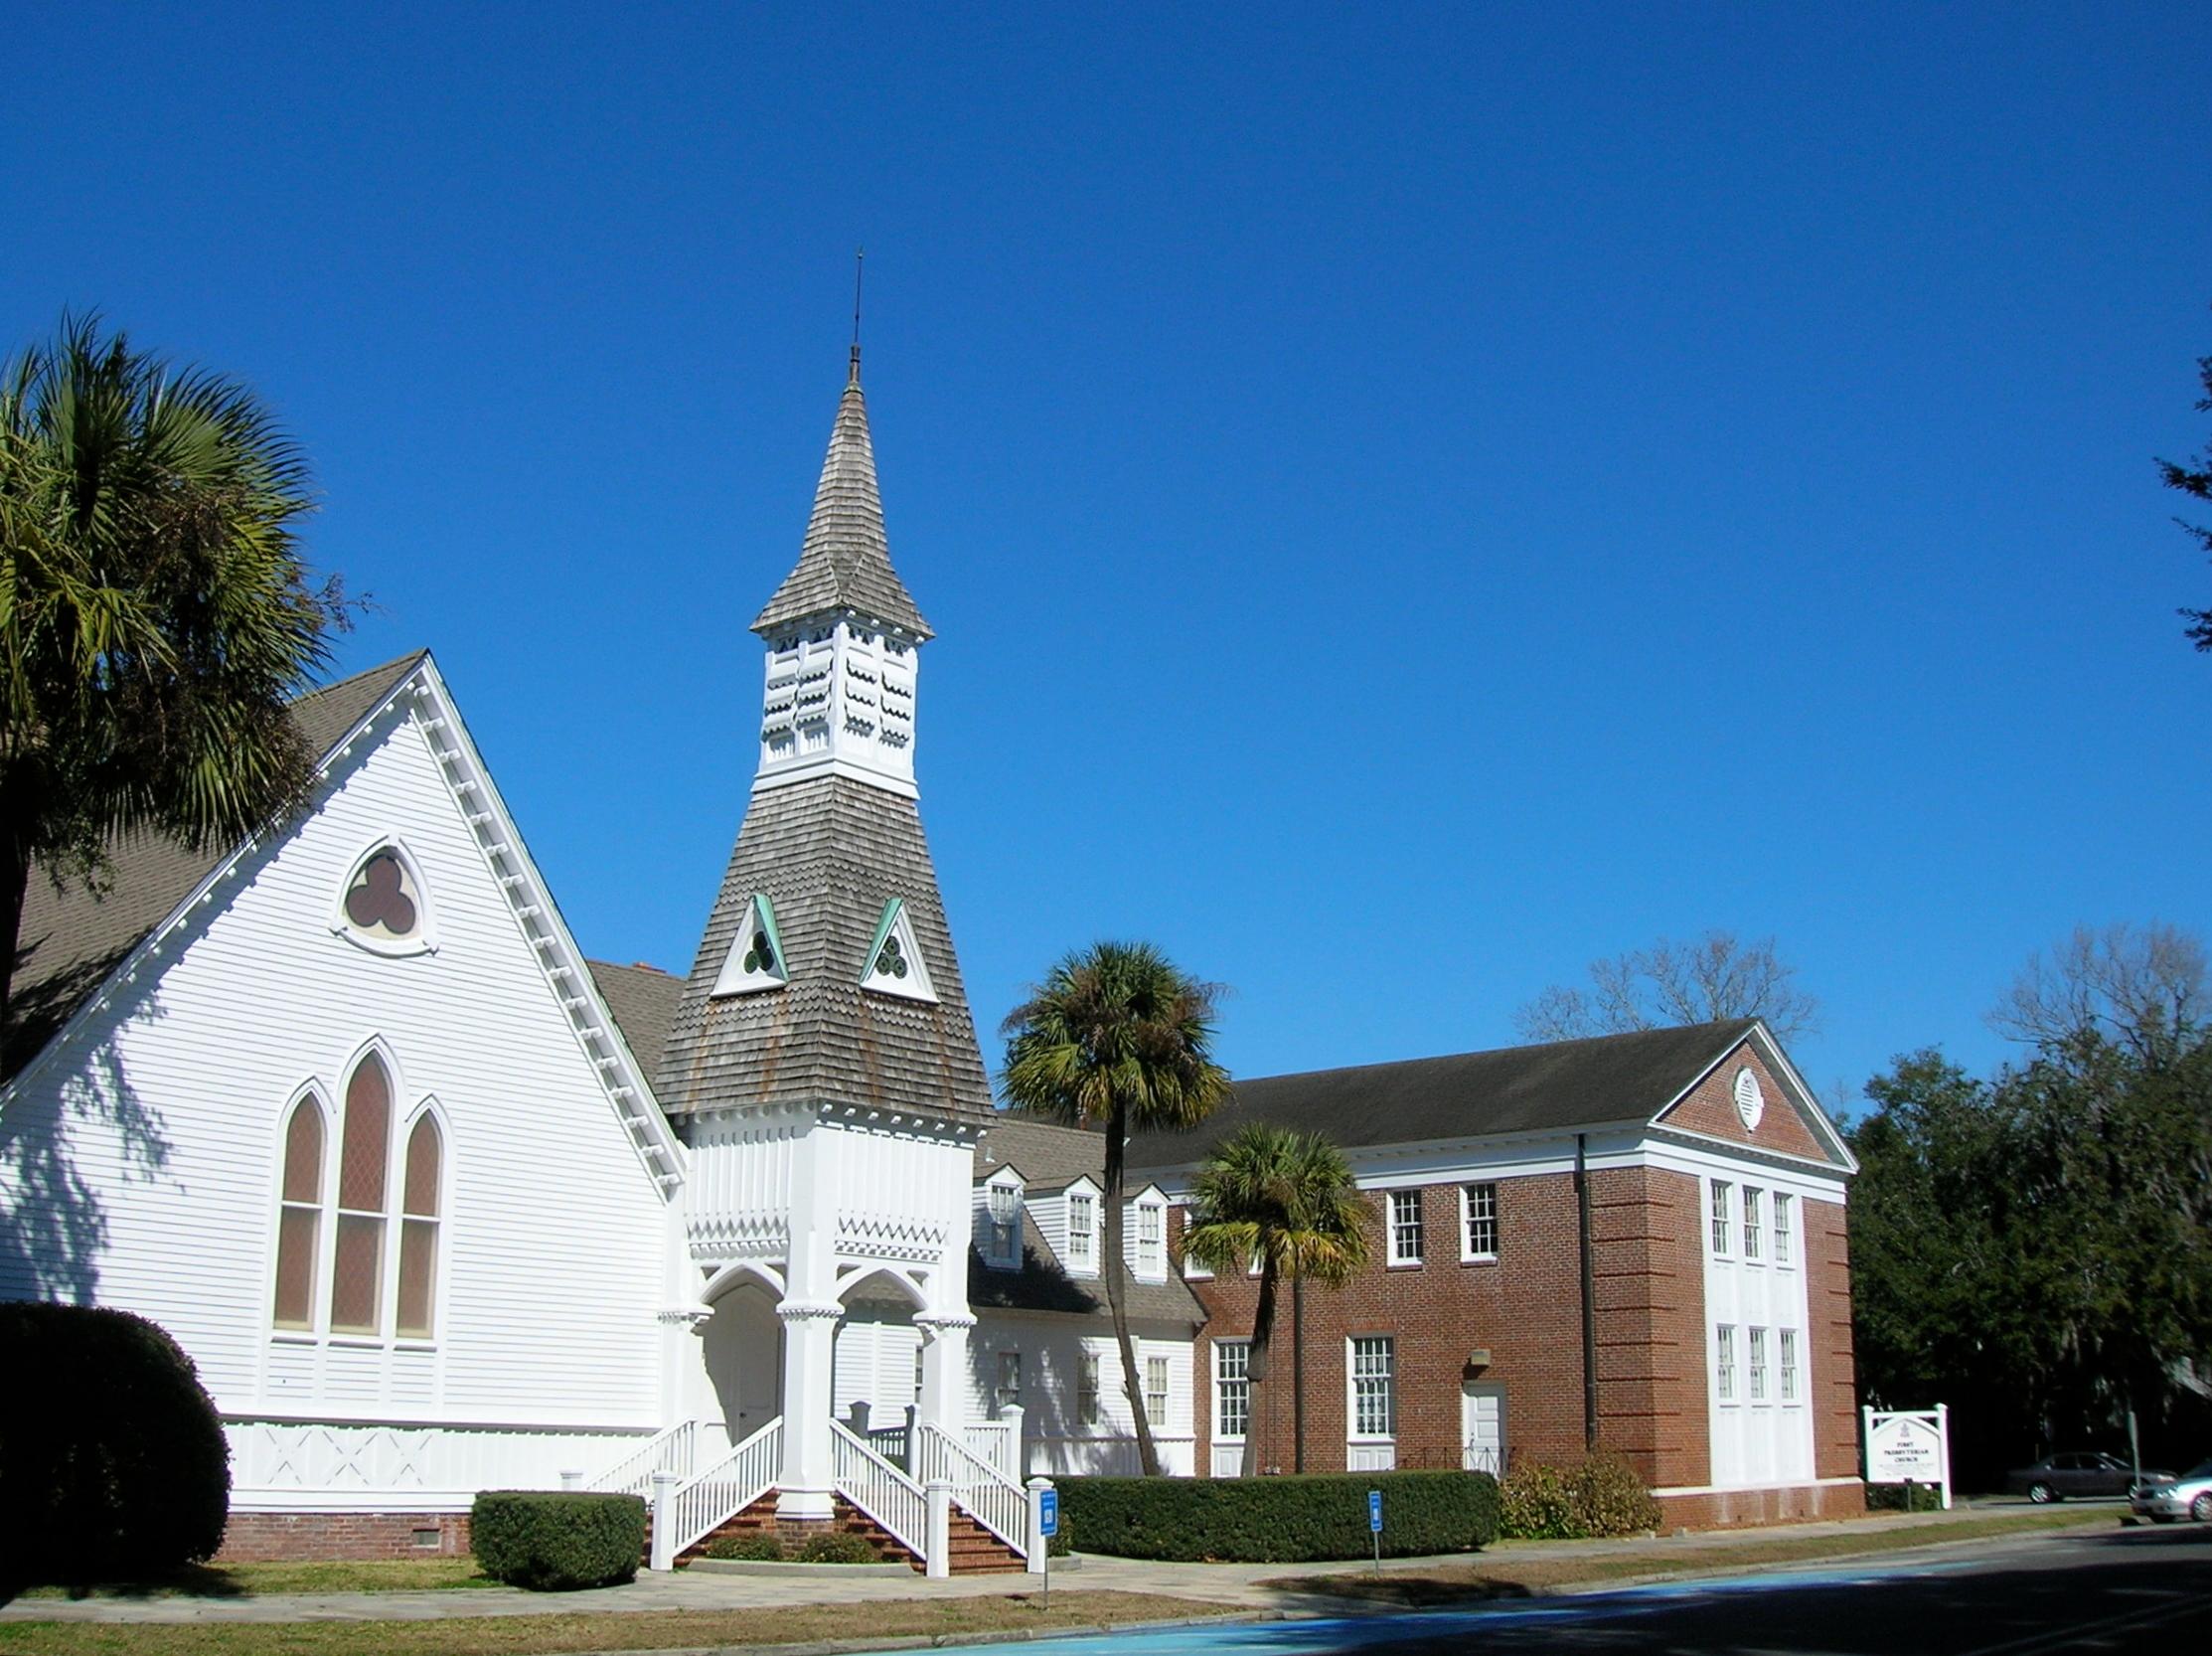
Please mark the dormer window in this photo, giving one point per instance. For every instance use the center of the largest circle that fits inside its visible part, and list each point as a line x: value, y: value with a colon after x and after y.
x: 1149, y: 1262
x: 894, y: 957
x: 755, y: 960
x: 1082, y: 1232
x: 382, y: 906
x: 1003, y: 1220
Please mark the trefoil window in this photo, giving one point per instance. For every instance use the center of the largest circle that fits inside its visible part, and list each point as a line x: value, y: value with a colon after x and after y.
x: 894, y: 964
x: 382, y: 906
x: 755, y: 960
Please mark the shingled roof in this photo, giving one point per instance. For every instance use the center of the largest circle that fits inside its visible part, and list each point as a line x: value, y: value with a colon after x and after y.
x: 643, y: 1000
x: 1050, y: 1157
x: 845, y: 562
x: 1559, y: 1085
x: 829, y: 852
x: 71, y: 939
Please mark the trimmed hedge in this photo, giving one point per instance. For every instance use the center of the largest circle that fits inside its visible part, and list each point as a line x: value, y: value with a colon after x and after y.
x: 112, y: 1459
x: 1278, y: 1520
x: 553, y: 1541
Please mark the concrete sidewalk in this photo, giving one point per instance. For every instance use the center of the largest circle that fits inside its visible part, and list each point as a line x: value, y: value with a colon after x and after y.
x: 1208, y: 1586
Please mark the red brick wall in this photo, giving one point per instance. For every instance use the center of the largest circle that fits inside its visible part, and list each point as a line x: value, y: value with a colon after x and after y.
x: 1834, y: 1381
x: 1710, y: 1108
x: 1727, y: 1508
x: 1526, y: 1309
x: 259, y: 1537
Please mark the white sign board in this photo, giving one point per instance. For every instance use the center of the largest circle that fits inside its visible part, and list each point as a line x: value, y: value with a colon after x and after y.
x: 1910, y: 1447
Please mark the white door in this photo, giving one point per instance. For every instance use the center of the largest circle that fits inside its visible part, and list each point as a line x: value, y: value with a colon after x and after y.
x: 1483, y: 1428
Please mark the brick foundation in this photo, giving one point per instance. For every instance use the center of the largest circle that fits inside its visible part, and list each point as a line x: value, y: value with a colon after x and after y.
x: 289, y: 1537
x: 1726, y: 1509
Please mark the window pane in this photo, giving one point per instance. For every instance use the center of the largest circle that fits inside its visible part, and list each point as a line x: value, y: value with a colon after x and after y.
x: 1155, y: 1390
x: 418, y: 1259
x: 303, y: 1154
x: 296, y: 1232
x: 1482, y: 1220
x: 422, y: 1170
x: 357, y: 1277
x: 368, y: 1132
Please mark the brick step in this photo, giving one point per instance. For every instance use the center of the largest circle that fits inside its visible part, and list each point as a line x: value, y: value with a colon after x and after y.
x: 971, y: 1550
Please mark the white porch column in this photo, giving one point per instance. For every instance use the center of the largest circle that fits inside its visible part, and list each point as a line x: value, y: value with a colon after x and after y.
x: 807, y: 1484
x: 944, y: 1398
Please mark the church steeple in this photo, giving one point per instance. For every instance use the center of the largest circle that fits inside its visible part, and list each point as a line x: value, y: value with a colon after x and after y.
x: 843, y: 631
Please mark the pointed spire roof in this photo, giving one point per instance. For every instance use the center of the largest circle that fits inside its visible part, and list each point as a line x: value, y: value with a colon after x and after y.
x: 845, y: 560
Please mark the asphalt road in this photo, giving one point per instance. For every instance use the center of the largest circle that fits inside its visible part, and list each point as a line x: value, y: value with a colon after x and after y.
x: 2143, y: 1590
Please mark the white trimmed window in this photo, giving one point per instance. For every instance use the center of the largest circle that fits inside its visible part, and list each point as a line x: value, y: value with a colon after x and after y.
x: 756, y: 958
x: 1374, y: 1392
x: 1786, y: 1338
x: 418, y: 1230
x: 894, y: 958
x: 1724, y: 1364
x: 1193, y: 1268
x: 1720, y: 1212
x: 1083, y: 1232
x: 1086, y: 1388
x: 299, y: 1221
x: 1782, y: 1252
x: 1479, y: 1222
x: 1233, y: 1389
x: 1008, y: 1392
x: 1757, y: 1363
x: 1001, y: 1220
x: 1155, y: 1392
x: 1405, y: 1228
x: 364, y: 1179
x: 382, y: 906
x: 1754, y: 1222
x: 1152, y: 1242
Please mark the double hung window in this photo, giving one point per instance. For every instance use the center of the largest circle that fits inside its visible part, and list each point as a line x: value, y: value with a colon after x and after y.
x: 1788, y: 1340
x: 1152, y: 1242
x: 1478, y: 1206
x: 1155, y: 1392
x: 1233, y: 1389
x: 1757, y: 1363
x: 1374, y: 1399
x: 1086, y: 1388
x: 1724, y: 1362
x: 1782, y: 1236
x: 1405, y: 1228
x: 1720, y: 1214
x: 1752, y: 1221
x: 1008, y: 1394
x: 1082, y: 1232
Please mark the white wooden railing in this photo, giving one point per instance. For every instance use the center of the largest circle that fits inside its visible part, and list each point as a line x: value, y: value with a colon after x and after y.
x: 673, y: 1451
x: 999, y: 1442
x: 980, y: 1489
x: 880, y: 1489
x: 701, y: 1504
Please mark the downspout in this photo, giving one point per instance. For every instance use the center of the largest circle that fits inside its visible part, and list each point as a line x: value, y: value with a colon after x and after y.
x: 1588, y: 1295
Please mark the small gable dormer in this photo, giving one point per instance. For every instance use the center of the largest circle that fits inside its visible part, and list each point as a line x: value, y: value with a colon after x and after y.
x: 384, y: 904
x: 755, y: 960
x: 1081, y: 1228
x: 1144, y: 1240
x: 895, y: 959
x: 999, y: 1219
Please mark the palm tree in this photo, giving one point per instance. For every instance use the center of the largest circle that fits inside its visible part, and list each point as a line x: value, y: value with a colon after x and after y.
x: 1286, y: 1199
x: 155, y: 615
x: 1116, y: 1038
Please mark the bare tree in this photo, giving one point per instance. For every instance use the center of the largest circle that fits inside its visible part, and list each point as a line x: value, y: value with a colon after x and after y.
x: 1715, y: 977
x: 2144, y: 986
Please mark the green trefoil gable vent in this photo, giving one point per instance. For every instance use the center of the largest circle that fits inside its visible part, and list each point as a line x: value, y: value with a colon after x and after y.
x: 894, y: 964
x: 755, y: 960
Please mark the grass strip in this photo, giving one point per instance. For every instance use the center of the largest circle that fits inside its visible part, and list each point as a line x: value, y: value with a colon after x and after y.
x: 546, y: 1636
x: 247, y: 1581
x: 1518, y: 1573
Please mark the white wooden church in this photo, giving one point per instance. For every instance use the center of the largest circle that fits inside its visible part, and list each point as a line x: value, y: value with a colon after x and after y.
x: 438, y: 1204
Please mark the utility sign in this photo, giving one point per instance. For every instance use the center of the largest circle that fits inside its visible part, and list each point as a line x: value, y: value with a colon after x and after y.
x: 1049, y: 1511
x: 1374, y: 1510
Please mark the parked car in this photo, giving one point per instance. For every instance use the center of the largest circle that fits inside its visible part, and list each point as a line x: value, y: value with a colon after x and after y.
x: 2162, y: 1499
x: 2082, y: 1472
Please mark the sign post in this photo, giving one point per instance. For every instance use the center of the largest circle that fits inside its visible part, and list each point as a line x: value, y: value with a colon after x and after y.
x: 1048, y: 1525
x: 1908, y: 1447
x: 1374, y: 1524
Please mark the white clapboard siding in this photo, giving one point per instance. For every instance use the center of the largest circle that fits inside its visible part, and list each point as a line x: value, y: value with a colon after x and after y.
x: 164, y: 1113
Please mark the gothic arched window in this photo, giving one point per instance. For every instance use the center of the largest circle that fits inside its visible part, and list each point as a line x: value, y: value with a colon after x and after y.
x: 299, y: 1219
x: 364, y: 1162
x: 418, y: 1230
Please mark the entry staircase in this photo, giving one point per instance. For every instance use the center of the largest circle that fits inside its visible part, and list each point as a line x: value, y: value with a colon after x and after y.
x: 985, y: 1525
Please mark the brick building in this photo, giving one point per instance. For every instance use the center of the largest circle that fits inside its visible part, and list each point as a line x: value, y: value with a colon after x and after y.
x: 1637, y: 1242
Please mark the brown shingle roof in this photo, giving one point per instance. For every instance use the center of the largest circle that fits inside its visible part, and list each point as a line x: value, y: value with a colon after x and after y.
x: 844, y: 563
x: 1559, y: 1085
x: 643, y: 1000
x: 72, y: 940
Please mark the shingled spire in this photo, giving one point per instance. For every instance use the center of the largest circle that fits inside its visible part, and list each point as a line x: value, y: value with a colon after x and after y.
x: 826, y: 976
x: 845, y: 560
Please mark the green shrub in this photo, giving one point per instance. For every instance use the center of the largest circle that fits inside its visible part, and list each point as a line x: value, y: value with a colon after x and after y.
x: 760, y: 1545
x: 1609, y: 1498
x: 834, y: 1546
x: 1534, y: 1504
x: 112, y: 1459
x: 1602, y: 1496
x: 1893, y: 1497
x: 554, y: 1541
x: 1278, y: 1520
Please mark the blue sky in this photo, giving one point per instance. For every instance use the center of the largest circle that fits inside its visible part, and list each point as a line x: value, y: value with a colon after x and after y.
x: 1411, y: 499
